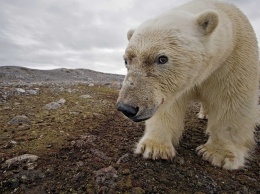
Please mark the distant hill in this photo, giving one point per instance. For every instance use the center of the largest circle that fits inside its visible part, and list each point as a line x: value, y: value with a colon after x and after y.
x: 21, y: 74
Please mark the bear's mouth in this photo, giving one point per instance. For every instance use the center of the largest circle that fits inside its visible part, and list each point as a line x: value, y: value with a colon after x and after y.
x: 146, y: 113
x: 138, y: 114
x: 139, y: 119
x: 143, y: 114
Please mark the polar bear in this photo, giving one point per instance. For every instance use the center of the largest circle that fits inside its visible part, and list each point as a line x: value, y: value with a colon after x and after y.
x: 203, y: 50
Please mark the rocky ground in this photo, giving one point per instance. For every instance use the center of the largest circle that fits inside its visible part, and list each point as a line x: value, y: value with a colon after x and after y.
x: 13, y: 75
x: 68, y: 138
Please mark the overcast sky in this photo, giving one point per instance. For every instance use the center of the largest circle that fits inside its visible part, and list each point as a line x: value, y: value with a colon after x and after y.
x: 48, y: 34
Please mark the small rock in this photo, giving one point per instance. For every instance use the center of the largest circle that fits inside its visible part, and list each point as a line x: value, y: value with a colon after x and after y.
x: 20, y: 90
x: 32, y: 92
x: 123, y: 158
x: 74, y: 113
x: 29, y: 176
x: 86, y: 96
x: 85, y: 140
x: 13, y: 142
x: 126, y: 171
x: 61, y: 101
x: 23, y: 127
x: 49, y: 146
x: 50, y: 170
x: 23, y: 177
x: 138, y: 190
x: 179, y: 160
x: 55, y: 105
x: 69, y: 90
x: 52, y: 106
x: 100, y: 154
x: 80, y: 163
x: 10, y: 144
x: 91, y: 85
x: 20, y: 119
x: 21, y: 159
x: 31, y: 166
x: 96, y: 114
x: 106, y: 177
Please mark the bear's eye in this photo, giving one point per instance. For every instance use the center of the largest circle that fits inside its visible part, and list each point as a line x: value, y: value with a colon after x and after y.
x: 125, y: 61
x: 162, y: 60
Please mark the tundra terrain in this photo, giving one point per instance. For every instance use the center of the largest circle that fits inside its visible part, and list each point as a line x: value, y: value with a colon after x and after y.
x: 60, y: 133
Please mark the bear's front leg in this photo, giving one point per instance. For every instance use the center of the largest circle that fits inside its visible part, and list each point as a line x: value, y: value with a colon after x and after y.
x: 229, y: 143
x: 162, y: 133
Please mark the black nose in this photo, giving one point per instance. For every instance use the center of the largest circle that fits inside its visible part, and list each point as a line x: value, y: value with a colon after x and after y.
x: 127, y: 110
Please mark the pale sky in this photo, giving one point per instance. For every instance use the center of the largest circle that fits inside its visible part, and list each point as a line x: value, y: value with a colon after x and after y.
x: 48, y: 34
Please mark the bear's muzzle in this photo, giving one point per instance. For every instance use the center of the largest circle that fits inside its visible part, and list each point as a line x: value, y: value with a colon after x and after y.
x: 127, y: 110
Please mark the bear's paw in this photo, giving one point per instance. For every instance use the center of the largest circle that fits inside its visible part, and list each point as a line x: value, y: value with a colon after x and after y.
x: 221, y: 157
x: 152, y: 149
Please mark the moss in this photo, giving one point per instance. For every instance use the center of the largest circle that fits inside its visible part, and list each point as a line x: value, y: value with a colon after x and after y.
x: 49, y: 130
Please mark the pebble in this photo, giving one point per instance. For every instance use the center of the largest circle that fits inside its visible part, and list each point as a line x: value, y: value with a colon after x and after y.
x: 20, y: 159
x: 23, y: 127
x: 52, y: 106
x: 100, y: 154
x: 10, y: 144
x: 49, y: 146
x: 13, y: 142
x: 138, y: 190
x: 61, y: 101
x: 33, y: 92
x: 20, y: 90
x: 80, y: 163
x: 179, y: 160
x: 126, y: 171
x: 55, y: 105
x: 74, y: 113
x: 123, y: 159
x: 86, y: 96
x: 31, y: 166
x: 106, y: 177
x: 29, y: 176
x: 20, y: 119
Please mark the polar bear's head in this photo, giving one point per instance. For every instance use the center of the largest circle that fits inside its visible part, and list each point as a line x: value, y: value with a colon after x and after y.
x: 165, y: 57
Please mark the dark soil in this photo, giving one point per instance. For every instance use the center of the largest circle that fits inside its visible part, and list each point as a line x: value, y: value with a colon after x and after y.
x: 86, y: 146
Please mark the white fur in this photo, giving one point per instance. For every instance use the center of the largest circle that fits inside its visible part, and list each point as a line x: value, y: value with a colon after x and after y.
x: 213, y: 58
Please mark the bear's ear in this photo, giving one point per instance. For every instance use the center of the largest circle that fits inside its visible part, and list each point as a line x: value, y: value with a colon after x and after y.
x: 207, y: 21
x: 130, y: 34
